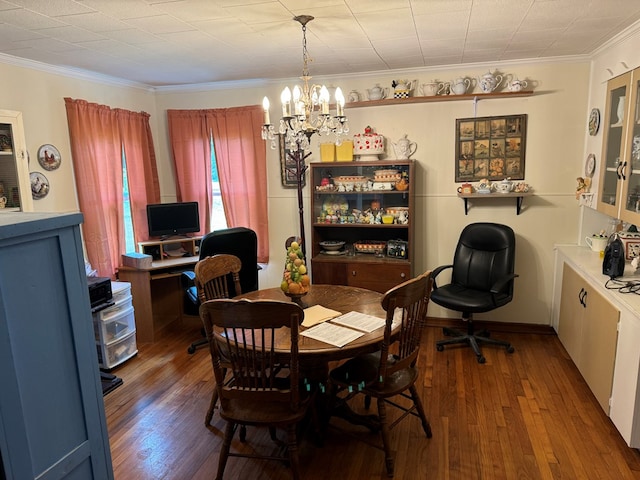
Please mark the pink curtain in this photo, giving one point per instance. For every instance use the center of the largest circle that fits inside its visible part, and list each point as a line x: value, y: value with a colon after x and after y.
x: 190, y: 146
x: 142, y: 171
x: 240, y: 159
x: 98, y: 135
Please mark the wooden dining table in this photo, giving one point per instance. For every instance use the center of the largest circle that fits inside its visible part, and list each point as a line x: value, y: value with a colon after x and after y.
x: 314, y: 354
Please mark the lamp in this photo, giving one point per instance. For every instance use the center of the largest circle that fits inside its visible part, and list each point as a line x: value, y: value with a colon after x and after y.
x: 305, y: 111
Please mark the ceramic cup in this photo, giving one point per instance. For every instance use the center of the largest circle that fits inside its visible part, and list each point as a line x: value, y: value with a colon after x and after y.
x: 597, y: 244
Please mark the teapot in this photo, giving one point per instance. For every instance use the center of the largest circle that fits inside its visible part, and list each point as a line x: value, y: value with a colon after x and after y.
x: 353, y: 96
x: 403, y: 85
x: 404, y: 148
x: 459, y: 86
x: 489, y: 82
x: 515, y: 85
x: 3, y: 202
x: 377, y: 92
x: 431, y: 88
x: 505, y: 186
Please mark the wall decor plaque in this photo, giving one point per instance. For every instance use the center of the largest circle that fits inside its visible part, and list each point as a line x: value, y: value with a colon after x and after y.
x: 49, y: 157
x: 490, y: 148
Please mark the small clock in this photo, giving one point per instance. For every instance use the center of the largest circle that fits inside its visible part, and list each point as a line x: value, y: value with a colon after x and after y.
x: 590, y: 165
x: 594, y: 121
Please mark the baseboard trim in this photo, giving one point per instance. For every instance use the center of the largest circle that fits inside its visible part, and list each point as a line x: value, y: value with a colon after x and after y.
x: 492, y: 326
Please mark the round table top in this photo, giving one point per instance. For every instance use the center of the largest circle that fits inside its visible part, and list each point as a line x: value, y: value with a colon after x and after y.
x: 343, y: 299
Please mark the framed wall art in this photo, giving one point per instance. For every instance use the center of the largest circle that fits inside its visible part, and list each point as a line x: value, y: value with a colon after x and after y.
x: 490, y: 147
x: 288, y: 167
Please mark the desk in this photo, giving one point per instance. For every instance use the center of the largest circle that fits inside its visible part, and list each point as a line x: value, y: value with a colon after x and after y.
x: 157, y: 294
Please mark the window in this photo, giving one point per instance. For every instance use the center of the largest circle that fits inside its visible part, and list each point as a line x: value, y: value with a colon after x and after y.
x: 218, y: 220
x: 126, y: 204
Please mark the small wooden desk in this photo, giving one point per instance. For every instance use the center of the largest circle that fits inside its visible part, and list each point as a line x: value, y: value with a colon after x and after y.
x: 157, y: 294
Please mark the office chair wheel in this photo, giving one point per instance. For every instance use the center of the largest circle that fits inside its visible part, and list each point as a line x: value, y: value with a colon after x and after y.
x: 510, y: 349
x: 191, y: 350
x: 481, y: 359
x: 440, y: 348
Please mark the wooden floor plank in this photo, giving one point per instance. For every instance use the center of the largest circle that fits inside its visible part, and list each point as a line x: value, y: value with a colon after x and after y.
x: 526, y: 415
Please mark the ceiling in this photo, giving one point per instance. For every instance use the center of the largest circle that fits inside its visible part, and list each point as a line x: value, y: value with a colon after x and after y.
x: 183, y: 42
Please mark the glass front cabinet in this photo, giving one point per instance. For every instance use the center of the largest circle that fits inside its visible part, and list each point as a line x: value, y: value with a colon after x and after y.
x: 362, y: 223
x: 619, y: 191
x: 15, y: 186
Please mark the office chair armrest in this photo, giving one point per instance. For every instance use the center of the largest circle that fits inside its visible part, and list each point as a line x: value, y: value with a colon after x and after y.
x: 437, y: 271
x: 501, y: 283
x: 188, y: 279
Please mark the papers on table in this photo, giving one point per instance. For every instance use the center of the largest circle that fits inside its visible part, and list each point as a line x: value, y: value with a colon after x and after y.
x: 318, y: 314
x: 343, y: 329
x: 360, y: 321
x: 332, y: 334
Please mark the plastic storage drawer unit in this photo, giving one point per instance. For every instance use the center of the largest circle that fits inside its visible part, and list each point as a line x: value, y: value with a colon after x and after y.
x: 114, y: 325
x: 118, y: 351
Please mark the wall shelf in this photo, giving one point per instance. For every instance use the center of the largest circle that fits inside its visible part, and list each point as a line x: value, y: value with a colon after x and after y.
x: 519, y: 196
x: 438, y: 98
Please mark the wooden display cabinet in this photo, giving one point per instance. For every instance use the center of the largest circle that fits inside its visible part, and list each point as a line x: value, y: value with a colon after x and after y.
x: 619, y: 188
x: 347, y: 204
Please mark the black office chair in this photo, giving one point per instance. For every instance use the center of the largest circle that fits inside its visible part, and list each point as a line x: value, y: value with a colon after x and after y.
x: 481, y: 280
x: 239, y: 241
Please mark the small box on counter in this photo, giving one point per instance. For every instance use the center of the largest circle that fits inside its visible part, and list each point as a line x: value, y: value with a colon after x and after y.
x: 137, y: 260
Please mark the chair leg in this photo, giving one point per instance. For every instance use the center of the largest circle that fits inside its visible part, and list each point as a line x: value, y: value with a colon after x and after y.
x: 214, y: 400
x: 418, y: 404
x: 384, y: 431
x: 224, y: 451
x: 212, y: 406
x: 292, y: 446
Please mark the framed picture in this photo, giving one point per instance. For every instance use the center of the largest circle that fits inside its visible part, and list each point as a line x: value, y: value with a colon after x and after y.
x: 490, y: 147
x: 288, y: 167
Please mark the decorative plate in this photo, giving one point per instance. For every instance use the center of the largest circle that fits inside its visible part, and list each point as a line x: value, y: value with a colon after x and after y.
x: 594, y: 121
x: 590, y: 165
x: 39, y: 185
x: 49, y: 157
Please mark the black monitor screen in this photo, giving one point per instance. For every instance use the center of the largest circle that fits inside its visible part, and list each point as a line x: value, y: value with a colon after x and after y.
x: 173, y: 218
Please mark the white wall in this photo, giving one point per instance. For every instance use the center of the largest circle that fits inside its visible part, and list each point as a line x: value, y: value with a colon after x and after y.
x: 557, y: 119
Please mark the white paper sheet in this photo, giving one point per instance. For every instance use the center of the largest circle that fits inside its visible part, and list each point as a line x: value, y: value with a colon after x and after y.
x: 332, y: 334
x: 359, y: 321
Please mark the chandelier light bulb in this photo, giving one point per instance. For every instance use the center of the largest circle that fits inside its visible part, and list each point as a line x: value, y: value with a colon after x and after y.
x: 265, y: 107
x: 285, y: 98
x: 339, y: 102
x: 324, y: 100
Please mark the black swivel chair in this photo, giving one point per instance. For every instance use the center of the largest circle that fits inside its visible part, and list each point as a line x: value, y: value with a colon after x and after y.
x: 239, y: 241
x: 481, y: 280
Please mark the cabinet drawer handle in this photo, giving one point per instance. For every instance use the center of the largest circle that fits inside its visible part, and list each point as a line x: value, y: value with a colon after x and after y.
x: 582, y: 296
x: 353, y: 272
x: 622, y: 170
x: 402, y: 275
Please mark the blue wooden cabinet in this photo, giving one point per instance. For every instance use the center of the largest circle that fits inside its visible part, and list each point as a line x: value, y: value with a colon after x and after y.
x: 52, y: 420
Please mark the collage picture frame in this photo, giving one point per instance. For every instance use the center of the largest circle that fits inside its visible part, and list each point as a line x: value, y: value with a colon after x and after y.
x: 490, y: 148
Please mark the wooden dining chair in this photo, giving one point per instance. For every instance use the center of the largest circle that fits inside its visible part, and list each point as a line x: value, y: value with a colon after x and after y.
x: 257, y: 390
x: 213, y: 276
x: 392, y: 370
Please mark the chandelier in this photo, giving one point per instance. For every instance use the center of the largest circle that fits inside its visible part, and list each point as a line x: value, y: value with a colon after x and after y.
x: 305, y: 110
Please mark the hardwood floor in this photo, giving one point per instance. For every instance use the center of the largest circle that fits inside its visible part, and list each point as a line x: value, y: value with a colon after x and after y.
x: 528, y: 415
